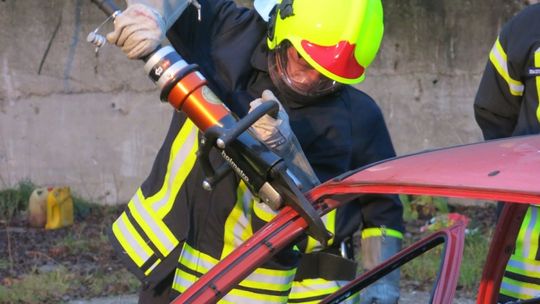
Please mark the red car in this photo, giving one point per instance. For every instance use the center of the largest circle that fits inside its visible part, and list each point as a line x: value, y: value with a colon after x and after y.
x: 500, y: 170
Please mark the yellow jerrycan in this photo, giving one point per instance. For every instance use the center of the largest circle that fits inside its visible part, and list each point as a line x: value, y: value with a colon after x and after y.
x: 59, y: 208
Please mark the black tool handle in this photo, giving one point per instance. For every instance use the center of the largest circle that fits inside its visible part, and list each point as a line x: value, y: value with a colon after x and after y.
x: 107, y: 6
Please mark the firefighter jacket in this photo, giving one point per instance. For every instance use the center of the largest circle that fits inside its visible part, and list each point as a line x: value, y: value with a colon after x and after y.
x: 507, y: 104
x: 340, y: 133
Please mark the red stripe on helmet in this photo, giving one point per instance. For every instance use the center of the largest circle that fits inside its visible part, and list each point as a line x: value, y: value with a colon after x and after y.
x: 337, y: 59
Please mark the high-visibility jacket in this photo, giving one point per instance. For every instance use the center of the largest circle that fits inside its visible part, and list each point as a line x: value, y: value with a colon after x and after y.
x: 507, y: 104
x: 339, y: 133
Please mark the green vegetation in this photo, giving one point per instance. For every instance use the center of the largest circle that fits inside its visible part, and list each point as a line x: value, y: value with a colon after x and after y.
x: 108, y: 283
x: 417, y: 207
x: 423, y: 270
x: 54, y: 285
x: 37, y: 287
x: 15, y: 200
x: 4, y: 264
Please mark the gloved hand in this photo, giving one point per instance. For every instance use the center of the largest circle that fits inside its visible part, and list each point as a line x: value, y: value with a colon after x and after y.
x: 274, y: 132
x: 277, y: 135
x: 142, y: 26
x: 138, y: 30
x: 375, y: 250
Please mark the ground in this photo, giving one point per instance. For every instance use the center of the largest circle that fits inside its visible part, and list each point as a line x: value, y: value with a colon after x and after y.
x: 50, y: 266
x: 39, y: 266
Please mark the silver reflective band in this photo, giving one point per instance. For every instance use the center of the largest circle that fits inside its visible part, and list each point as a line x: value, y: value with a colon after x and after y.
x: 156, y: 57
x: 177, y: 165
x: 139, y: 251
x: 519, y: 289
x: 499, y: 60
x: 150, y: 221
x: 170, y: 72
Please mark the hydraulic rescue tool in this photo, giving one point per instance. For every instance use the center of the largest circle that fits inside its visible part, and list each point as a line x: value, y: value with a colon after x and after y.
x: 184, y: 87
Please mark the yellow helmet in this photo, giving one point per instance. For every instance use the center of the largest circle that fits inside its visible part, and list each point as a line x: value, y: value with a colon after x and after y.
x: 338, y: 38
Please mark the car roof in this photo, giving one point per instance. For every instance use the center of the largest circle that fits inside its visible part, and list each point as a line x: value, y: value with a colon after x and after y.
x: 505, y: 170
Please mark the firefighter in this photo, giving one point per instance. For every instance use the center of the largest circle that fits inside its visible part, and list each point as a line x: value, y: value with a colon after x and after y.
x: 507, y: 104
x: 309, y: 53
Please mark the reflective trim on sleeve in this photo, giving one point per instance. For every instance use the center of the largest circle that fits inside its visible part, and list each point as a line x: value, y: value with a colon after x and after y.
x: 182, y: 158
x: 537, y: 79
x: 182, y: 280
x: 534, y: 234
x: 499, y: 59
x: 196, y: 260
x: 519, y: 290
x: 237, y: 226
x: 149, y: 270
x: 526, y: 232
x: 263, y: 280
x: 524, y: 266
x: 131, y: 241
x: 383, y: 231
x: 155, y: 229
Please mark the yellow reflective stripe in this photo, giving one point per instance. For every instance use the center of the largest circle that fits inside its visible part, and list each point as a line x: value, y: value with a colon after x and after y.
x: 372, y: 232
x: 236, y: 296
x: 278, y: 280
x: 528, y: 250
x: 312, y: 288
x: 154, y: 228
x: 329, y: 221
x: 131, y: 241
x: 532, y: 244
x: 309, y: 288
x: 524, y: 266
x: 519, y: 290
x: 182, y: 158
x: 183, y: 280
x: 196, y: 260
x: 499, y: 59
x: 237, y: 226
x: 522, y: 240
x: 537, y: 78
x: 261, y: 278
x: 149, y: 270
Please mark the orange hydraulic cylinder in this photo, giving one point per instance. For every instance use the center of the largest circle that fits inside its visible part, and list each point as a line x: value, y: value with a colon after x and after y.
x: 191, y: 96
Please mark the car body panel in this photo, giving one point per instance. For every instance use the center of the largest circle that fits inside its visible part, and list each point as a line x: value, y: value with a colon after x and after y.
x: 505, y: 170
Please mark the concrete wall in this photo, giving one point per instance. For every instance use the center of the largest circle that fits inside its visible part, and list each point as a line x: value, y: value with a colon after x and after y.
x: 93, y: 121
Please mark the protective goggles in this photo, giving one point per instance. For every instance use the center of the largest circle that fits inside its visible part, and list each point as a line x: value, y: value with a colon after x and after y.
x: 288, y: 65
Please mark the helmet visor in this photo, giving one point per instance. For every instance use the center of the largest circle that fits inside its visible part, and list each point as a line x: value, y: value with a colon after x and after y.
x: 287, y: 64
